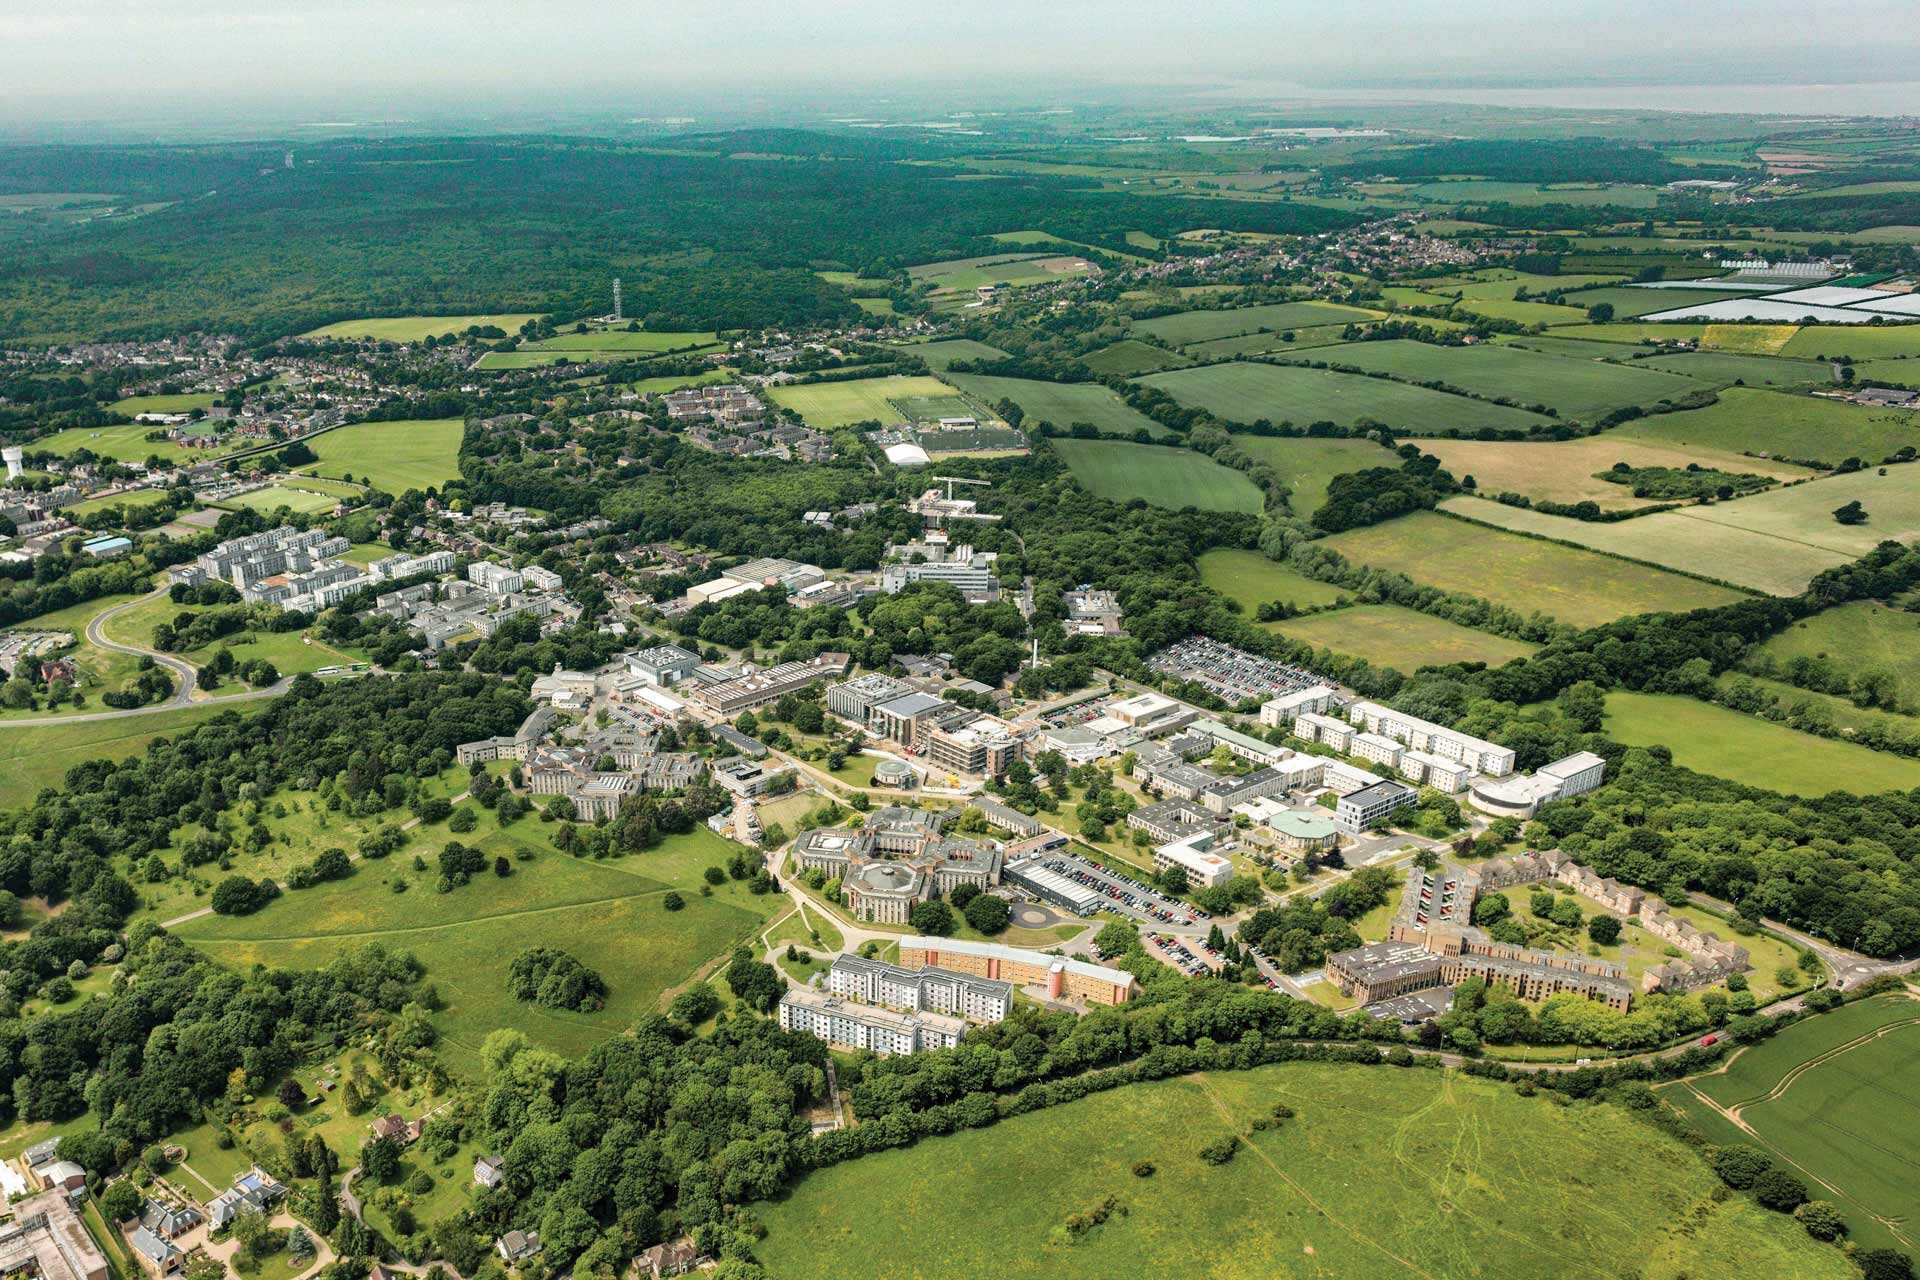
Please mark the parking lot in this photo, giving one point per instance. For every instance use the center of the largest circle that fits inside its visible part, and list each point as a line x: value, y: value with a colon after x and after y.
x: 1125, y: 894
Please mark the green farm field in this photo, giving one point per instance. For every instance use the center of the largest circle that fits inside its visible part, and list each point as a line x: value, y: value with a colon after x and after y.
x: 1566, y: 470
x: 1253, y: 580
x: 1130, y: 357
x: 1306, y: 465
x: 1121, y: 471
x: 1681, y: 540
x: 1528, y: 575
x: 1061, y: 403
x: 1185, y: 327
x: 1751, y: 420
x: 1860, y: 636
x: 1838, y: 1098
x: 1725, y: 368
x: 1712, y: 739
x: 1380, y: 1173
x: 1260, y: 344
x: 836, y: 404
x: 1485, y: 191
x: 1634, y: 332
x: 1010, y: 269
x: 392, y: 456
x: 1576, y: 388
x: 939, y: 354
x: 1250, y: 392
x: 1891, y: 342
x: 1748, y: 339
x: 33, y: 756
x: 1628, y: 303
x: 415, y: 328
x: 1388, y: 635
x: 609, y: 914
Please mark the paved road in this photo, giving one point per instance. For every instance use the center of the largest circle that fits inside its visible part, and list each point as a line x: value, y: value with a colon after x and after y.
x: 1850, y: 969
x: 183, y: 674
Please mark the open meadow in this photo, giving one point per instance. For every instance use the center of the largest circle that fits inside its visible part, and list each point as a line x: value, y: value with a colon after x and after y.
x: 837, y: 404
x: 33, y: 756
x: 1468, y: 1169
x: 1528, y: 575
x: 1578, y: 389
x: 1729, y: 744
x: 392, y: 456
x: 1797, y: 427
x: 608, y: 914
x: 1270, y: 343
x: 1290, y: 393
x: 291, y: 652
x: 943, y: 352
x: 1130, y: 357
x: 1186, y: 327
x: 1857, y: 637
x: 1388, y: 635
x: 1836, y: 1097
x: 416, y: 328
x: 1568, y: 470
x: 1677, y: 539
x: 1121, y: 471
x: 125, y: 443
x: 1253, y: 580
x: 1731, y: 368
x: 1061, y: 403
x: 1307, y: 464
x: 956, y: 275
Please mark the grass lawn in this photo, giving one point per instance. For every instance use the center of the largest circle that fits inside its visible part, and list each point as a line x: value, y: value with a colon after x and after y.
x: 1253, y: 580
x: 1388, y: 635
x: 1183, y: 327
x: 835, y: 404
x: 294, y: 496
x: 1306, y: 466
x: 1130, y: 357
x: 1277, y: 393
x: 1566, y: 470
x: 180, y: 403
x: 39, y: 756
x: 133, y: 501
x: 1525, y: 574
x: 1712, y: 739
x: 1856, y: 637
x: 290, y: 651
x: 1578, y: 389
x: 1683, y: 539
x: 1481, y: 1181
x: 1163, y: 476
x: 1061, y: 403
x: 609, y: 914
x: 1750, y: 420
x: 415, y: 328
x: 1837, y: 1097
x: 393, y: 456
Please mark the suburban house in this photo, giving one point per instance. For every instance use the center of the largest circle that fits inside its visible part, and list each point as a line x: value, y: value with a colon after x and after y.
x: 675, y: 1258
x: 487, y: 1171
x: 404, y: 1132
x: 158, y: 1257
x: 517, y: 1246
x: 254, y: 1191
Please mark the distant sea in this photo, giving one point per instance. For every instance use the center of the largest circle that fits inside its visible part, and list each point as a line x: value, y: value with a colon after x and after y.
x: 1891, y: 98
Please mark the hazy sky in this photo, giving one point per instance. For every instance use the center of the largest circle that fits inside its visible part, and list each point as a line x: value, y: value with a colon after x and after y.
x: 65, y: 59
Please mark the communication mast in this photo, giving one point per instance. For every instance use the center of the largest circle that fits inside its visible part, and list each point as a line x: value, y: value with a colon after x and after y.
x: 617, y: 317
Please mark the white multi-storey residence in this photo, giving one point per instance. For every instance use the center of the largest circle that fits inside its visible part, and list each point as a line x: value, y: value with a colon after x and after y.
x: 1476, y: 754
x: 885, y: 1032
x: 920, y: 990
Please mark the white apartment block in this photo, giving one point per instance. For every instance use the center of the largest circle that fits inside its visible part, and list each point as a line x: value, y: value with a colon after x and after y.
x: 1449, y: 776
x: 859, y: 1026
x: 1288, y: 707
x: 920, y: 990
x: 496, y: 579
x: 1204, y: 870
x: 1377, y: 749
x: 1311, y: 726
x: 1476, y: 754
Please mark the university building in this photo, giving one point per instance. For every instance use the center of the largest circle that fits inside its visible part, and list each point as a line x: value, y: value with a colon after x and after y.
x: 1062, y: 977
x: 961, y: 995
x: 885, y: 1032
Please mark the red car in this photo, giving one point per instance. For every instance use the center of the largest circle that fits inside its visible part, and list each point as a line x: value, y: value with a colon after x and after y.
x: 1707, y: 1042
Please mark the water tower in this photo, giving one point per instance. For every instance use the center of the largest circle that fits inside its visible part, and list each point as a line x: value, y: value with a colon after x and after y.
x: 13, y: 454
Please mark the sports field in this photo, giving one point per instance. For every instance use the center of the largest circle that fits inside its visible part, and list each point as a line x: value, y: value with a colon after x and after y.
x: 1858, y: 637
x: 1129, y: 357
x: 1184, y: 327
x: 1686, y: 539
x: 1750, y: 420
x: 1575, y: 388
x: 293, y: 496
x: 1728, y: 744
x: 36, y: 756
x: 836, y: 404
x: 133, y: 501
x: 1306, y: 466
x: 124, y: 443
x: 1061, y: 403
x: 1253, y: 580
x: 1279, y: 393
x: 608, y: 914
x: 1388, y: 635
x: 1837, y: 1097
x: 392, y: 456
x: 1564, y: 470
x: 1725, y: 368
x: 179, y: 403
x: 415, y: 328
x: 1528, y: 575
x: 1380, y: 1174
x: 1161, y: 475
